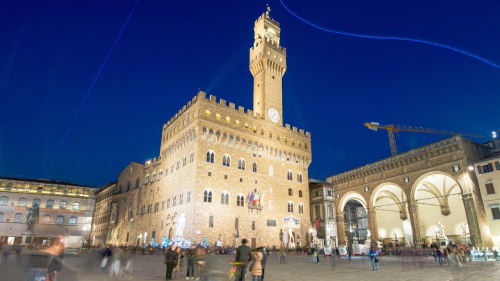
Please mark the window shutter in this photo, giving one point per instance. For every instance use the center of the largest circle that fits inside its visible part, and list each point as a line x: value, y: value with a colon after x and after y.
x: 497, y: 164
x: 490, y: 166
x: 479, y: 170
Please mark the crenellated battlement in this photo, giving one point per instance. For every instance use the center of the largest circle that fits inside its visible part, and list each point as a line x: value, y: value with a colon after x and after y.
x: 266, y: 17
x: 180, y: 112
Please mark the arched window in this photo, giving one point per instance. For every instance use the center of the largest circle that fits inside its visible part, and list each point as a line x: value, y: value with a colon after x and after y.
x: 1, y: 217
x: 210, y: 157
x: 36, y: 202
x: 22, y: 202
x: 72, y: 221
x: 290, y: 207
x: 226, y: 161
x: 142, y: 209
x: 153, y: 178
x: 184, y: 161
x: 157, y: 206
x: 60, y: 220
x: 150, y: 208
x: 241, y: 164
x: 50, y: 204
x: 301, y: 209
x: 240, y: 200
x: 168, y: 203
x: 147, y: 179
x: 76, y: 206
x: 62, y: 205
x: 289, y: 175
x: 191, y: 157
x: 163, y: 205
x: 207, y: 196
x: 128, y: 186
x: 299, y: 177
x: 254, y: 167
x: 181, y: 199
x: 46, y: 219
x: 300, y: 193
x: 290, y: 192
x: 160, y: 174
x: 18, y: 218
x: 137, y: 183
x: 4, y: 200
x: 224, y: 198
x: 174, y: 201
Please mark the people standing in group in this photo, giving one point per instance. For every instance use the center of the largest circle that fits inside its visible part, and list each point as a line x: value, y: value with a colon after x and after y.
x: 171, y: 258
x: 313, y: 255
x: 263, y: 262
x: 256, y: 268
x: 243, y: 255
x: 439, y: 257
x: 200, y: 261
x: 191, y: 257
x: 373, y: 254
x: 6, y: 249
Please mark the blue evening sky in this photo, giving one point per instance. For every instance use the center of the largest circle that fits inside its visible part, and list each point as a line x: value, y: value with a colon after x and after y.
x: 50, y: 52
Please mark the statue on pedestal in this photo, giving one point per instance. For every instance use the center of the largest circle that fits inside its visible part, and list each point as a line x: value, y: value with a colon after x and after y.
x: 441, y: 231
x: 181, y: 222
x: 281, y: 236
x: 32, y: 217
x: 165, y: 242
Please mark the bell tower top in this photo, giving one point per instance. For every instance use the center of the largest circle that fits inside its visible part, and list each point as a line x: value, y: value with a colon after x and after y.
x: 267, y: 65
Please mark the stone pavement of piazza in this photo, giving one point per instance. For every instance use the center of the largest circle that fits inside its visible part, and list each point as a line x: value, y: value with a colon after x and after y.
x: 298, y: 267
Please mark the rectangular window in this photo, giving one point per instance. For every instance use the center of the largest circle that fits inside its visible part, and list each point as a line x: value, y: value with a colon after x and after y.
x: 329, y: 192
x: 479, y: 169
x: 211, y: 221
x: 496, y: 213
x: 497, y: 164
x: 188, y: 197
x: 487, y: 168
x: 253, y: 225
x: 490, y: 189
x: 271, y: 222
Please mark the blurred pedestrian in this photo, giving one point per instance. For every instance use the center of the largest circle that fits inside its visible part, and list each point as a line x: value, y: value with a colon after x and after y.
x: 373, y: 254
x: 6, y: 249
x: 179, y: 265
x: 19, y: 249
x: 171, y: 258
x: 106, y: 261
x: 243, y: 255
x: 439, y: 256
x: 200, y: 262
x: 256, y: 268
x: 57, y: 252
x: 191, y: 257
x: 263, y: 262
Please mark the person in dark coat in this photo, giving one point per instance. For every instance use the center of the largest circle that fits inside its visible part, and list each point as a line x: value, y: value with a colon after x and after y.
x: 171, y: 258
x: 337, y: 252
x: 244, y: 255
x: 191, y: 257
x: 263, y: 262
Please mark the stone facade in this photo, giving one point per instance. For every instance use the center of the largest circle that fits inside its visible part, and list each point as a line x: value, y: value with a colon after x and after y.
x: 213, y: 157
x: 488, y: 177
x: 65, y: 209
x: 406, y: 172
x: 322, y: 208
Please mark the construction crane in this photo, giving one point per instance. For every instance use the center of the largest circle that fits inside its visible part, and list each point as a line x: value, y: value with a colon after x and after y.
x: 396, y: 128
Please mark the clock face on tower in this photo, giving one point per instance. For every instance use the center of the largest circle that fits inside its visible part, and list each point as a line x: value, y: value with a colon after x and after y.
x: 273, y: 115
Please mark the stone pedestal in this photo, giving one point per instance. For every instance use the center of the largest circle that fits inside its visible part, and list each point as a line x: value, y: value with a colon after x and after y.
x: 27, y: 238
x: 440, y: 241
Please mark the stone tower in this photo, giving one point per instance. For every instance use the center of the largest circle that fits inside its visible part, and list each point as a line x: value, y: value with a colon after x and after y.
x: 267, y: 65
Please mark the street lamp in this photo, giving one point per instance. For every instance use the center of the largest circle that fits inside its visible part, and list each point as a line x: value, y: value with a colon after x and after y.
x: 471, y: 168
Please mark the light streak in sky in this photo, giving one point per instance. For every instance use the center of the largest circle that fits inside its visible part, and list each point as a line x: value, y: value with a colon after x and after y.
x: 90, y: 89
x: 389, y: 38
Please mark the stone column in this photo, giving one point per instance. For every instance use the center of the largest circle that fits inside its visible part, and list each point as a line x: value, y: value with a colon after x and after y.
x: 341, y: 229
x: 372, y: 225
x: 416, y: 228
x: 470, y: 212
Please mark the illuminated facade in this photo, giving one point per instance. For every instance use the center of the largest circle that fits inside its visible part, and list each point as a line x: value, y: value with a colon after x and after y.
x: 213, y: 157
x: 407, y: 195
x: 488, y: 176
x: 65, y: 209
